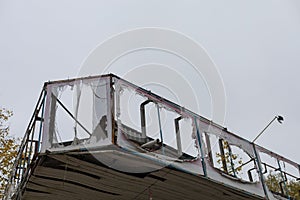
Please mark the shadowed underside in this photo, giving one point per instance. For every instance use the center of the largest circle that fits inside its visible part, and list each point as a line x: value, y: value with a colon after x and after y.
x: 61, y: 176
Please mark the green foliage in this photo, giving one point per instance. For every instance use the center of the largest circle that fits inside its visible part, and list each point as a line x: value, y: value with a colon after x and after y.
x: 231, y: 159
x: 272, y: 180
x: 8, y: 149
x: 292, y: 186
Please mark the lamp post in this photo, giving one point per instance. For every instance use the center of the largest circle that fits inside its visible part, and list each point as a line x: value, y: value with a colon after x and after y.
x: 279, y: 119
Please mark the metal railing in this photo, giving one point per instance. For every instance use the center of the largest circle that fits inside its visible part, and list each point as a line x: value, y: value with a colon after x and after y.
x: 28, y: 150
x: 31, y: 143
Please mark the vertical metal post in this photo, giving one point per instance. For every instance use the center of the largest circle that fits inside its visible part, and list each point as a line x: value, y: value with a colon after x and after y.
x: 143, y: 117
x: 258, y: 164
x: 112, y: 111
x: 117, y: 105
x: 18, y: 173
x: 31, y: 142
x: 42, y: 121
x: 283, y: 179
x: 209, y: 150
x: 52, y: 116
x: 23, y: 159
x: 178, y: 139
x: 299, y: 173
x: 160, y: 129
x: 223, y: 158
x: 231, y: 161
x: 200, y: 146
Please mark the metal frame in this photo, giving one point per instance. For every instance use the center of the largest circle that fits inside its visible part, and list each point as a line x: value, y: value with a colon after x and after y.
x: 22, y: 164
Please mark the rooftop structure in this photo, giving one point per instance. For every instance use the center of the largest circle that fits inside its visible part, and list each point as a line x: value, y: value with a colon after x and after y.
x: 103, y: 137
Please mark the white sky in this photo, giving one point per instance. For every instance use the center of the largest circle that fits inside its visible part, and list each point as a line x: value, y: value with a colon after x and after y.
x: 255, y: 45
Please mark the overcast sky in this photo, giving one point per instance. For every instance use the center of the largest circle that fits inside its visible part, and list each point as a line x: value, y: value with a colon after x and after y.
x: 255, y: 45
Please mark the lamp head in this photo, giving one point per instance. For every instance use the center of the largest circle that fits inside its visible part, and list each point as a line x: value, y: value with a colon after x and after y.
x: 280, y: 119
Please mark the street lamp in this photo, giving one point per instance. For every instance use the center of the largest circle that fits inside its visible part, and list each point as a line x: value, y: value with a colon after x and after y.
x: 279, y: 119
